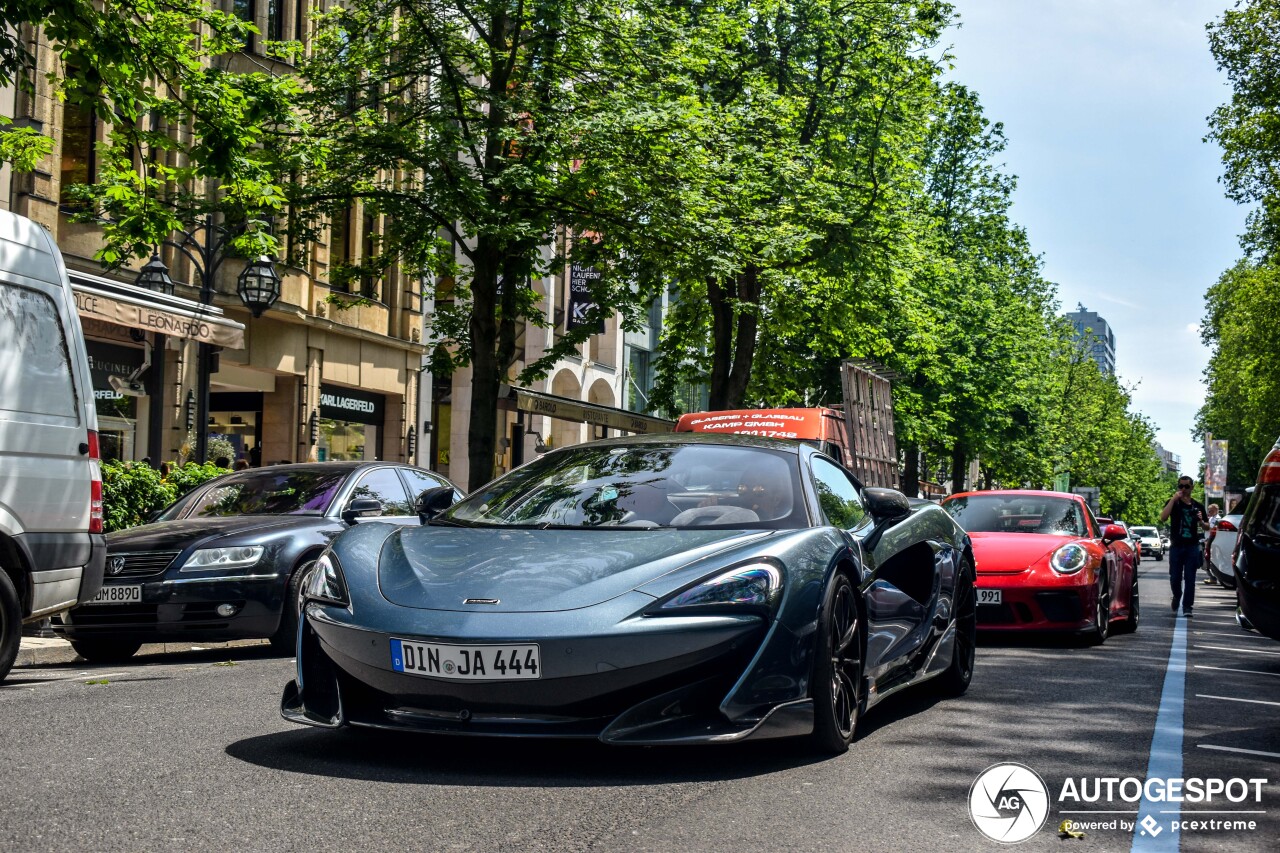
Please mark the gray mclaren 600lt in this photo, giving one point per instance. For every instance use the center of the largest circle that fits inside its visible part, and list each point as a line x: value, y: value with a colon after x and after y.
x: 665, y: 589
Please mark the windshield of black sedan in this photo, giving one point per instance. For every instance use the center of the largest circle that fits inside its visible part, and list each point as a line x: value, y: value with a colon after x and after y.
x: 644, y: 485
x: 1017, y: 514
x: 263, y: 492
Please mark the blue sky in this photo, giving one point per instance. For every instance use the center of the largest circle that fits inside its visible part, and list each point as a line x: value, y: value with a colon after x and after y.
x: 1104, y: 105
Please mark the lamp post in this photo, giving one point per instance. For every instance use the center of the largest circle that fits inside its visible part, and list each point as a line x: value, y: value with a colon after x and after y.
x: 258, y: 287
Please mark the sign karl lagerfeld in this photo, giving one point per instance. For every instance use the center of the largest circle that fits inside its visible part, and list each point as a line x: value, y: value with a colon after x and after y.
x: 581, y: 278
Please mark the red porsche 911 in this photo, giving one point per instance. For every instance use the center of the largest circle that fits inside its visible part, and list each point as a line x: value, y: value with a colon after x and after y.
x: 1045, y: 564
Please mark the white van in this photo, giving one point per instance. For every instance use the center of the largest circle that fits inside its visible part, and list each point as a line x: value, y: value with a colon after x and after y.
x: 52, y: 550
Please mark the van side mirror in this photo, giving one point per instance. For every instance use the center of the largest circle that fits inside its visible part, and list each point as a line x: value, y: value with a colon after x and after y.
x: 362, y: 508
x: 433, y: 501
x: 886, y: 505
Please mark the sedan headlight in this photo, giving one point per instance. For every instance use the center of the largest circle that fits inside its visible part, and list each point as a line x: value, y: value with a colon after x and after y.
x: 223, y: 558
x: 1069, y: 559
x: 326, y: 582
x: 754, y: 585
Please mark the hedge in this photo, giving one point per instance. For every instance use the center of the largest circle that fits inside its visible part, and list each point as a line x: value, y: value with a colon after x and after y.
x: 132, y: 491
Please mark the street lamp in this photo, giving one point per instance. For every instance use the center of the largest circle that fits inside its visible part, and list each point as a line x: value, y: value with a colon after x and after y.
x: 259, y: 285
x: 155, y: 276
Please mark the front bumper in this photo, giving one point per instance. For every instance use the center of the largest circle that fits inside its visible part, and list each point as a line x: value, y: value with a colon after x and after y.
x: 643, y: 681
x: 1031, y: 603
x: 184, y: 609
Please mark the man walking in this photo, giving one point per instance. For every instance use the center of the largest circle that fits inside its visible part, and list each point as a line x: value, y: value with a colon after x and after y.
x: 1185, y: 517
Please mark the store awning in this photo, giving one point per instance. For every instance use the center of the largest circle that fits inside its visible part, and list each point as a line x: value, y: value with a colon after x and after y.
x: 100, y: 298
x: 565, y: 409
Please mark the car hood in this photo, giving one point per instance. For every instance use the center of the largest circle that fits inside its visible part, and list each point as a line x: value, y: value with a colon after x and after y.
x: 1013, y: 552
x: 527, y: 571
x: 178, y: 534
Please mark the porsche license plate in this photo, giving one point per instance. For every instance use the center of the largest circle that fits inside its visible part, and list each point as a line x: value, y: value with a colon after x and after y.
x: 467, y: 663
x: 989, y: 596
x: 118, y: 594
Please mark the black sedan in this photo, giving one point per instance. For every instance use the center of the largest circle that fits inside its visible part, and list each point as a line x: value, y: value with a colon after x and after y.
x: 1257, y: 556
x: 227, y: 560
x: 682, y: 588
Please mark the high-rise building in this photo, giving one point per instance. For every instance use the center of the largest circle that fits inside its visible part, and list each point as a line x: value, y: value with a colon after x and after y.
x: 1100, y: 341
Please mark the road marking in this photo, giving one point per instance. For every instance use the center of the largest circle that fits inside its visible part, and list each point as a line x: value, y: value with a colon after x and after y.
x: 44, y: 679
x: 1233, y: 699
x: 1165, y: 761
x: 1229, y: 649
x: 1229, y: 669
x: 1241, y: 634
x: 1238, y: 749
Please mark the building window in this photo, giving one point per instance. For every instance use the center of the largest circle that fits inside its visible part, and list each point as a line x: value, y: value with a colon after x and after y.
x: 79, y: 157
x: 340, y: 246
x: 369, y: 250
x: 275, y: 20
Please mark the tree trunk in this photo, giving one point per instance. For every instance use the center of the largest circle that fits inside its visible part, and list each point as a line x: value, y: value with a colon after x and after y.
x: 721, y: 343
x: 911, y: 471
x: 744, y: 347
x: 485, y: 371
x: 959, y: 469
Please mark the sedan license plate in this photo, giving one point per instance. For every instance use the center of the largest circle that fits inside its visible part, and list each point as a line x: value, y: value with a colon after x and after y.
x: 118, y: 594
x: 466, y: 663
x: 989, y: 596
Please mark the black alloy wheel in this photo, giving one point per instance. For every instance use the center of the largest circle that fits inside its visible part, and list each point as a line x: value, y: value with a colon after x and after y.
x: 285, y: 639
x: 1101, y: 629
x: 105, y: 649
x: 955, y: 679
x: 837, y: 675
x: 10, y: 623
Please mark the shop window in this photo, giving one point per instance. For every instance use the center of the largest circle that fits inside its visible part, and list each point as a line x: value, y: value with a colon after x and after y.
x: 79, y: 156
x: 384, y: 485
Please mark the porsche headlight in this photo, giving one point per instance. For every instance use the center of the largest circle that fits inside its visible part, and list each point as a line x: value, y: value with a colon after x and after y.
x: 1069, y: 559
x: 223, y: 558
x: 754, y: 585
x: 326, y: 582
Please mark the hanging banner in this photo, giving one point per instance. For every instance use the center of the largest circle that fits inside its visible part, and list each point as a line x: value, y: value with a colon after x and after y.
x: 581, y: 278
x: 1215, y: 467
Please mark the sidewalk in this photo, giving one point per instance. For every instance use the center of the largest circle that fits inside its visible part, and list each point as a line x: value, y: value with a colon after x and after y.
x: 38, y: 651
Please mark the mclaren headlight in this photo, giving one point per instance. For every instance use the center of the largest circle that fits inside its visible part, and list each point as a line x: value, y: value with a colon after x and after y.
x: 205, y: 559
x: 326, y: 582
x: 1069, y: 559
x: 752, y: 586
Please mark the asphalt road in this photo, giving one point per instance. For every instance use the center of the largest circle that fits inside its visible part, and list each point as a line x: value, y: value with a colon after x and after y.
x: 186, y: 752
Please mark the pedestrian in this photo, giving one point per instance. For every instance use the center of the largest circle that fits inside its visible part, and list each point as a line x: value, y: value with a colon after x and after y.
x: 146, y: 460
x: 166, y: 468
x: 1185, y: 517
x: 241, y: 464
x: 1213, y: 521
x: 222, y: 462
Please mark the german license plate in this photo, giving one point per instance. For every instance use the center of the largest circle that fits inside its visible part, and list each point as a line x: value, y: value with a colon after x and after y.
x: 467, y: 663
x: 118, y: 594
x: 990, y: 596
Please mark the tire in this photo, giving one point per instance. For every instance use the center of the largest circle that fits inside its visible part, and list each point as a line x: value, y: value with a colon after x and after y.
x: 285, y: 639
x: 10, y: 624
x: 837, y: 669
x: 1101, y: 629
x: 955, y: 679
x: 105, y: 649
x: 1130, y: 624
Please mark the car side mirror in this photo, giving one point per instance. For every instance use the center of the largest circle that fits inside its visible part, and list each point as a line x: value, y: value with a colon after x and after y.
x: 362, y: 508
x: 886, y: 505
x: 433, y: 501
x: 1112, y: 532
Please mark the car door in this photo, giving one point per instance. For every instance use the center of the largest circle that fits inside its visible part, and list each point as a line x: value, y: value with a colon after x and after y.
x: 385, y: 485
x: 900, y: 579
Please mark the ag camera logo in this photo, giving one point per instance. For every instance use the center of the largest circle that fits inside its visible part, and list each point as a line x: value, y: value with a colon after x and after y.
x: 1008, y: 802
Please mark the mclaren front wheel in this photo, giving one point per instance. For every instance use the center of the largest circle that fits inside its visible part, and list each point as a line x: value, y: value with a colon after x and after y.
x: 837, y: 670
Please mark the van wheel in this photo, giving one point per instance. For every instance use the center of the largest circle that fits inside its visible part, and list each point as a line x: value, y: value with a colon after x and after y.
x: 105, y: 649
x: 285, y: 639
x: 10, y: 624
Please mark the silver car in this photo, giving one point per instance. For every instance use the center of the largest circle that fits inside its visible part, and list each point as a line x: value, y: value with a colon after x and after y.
x: 1152, y: 544
x: 1223, y: 546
